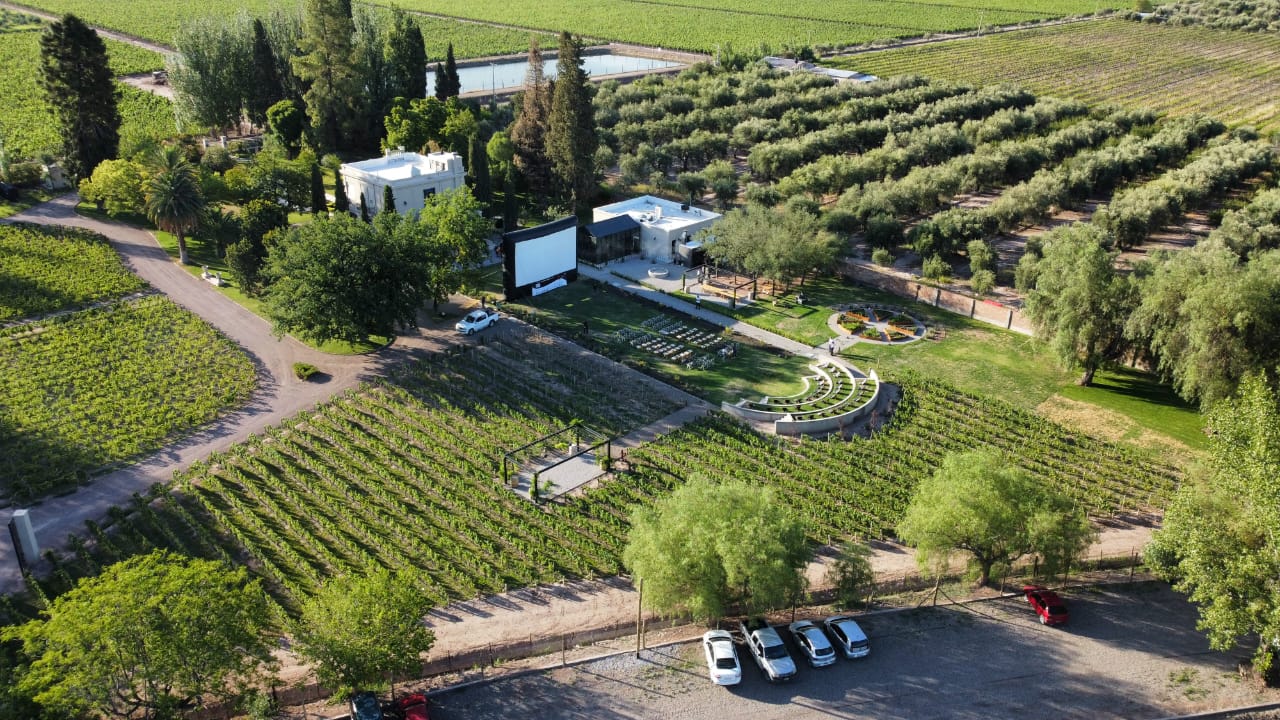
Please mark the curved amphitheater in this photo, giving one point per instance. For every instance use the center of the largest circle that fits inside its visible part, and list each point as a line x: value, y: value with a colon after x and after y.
x: 834, y: 398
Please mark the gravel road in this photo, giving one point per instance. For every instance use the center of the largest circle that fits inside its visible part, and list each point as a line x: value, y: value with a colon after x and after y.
x: 1129, y: 652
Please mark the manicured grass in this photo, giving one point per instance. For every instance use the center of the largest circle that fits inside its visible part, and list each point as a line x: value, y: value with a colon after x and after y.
x: 754, y: 370
x: 1148, y: 402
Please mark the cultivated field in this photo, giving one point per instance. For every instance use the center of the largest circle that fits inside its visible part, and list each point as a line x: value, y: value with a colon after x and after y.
x: 404, y: 474
x: 702, y: 25
x: 43, y: 271
x: 1179, y: 70
x: 95, y: 387
x: 27, y: 125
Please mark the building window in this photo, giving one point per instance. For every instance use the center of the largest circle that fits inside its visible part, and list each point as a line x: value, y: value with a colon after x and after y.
x: 428, y: 192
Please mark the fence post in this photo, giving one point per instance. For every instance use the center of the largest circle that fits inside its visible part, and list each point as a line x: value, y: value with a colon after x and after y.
x: 973, y: 309
x: 1008, y: 325
x: 639, y: 614
x: 937, y: 296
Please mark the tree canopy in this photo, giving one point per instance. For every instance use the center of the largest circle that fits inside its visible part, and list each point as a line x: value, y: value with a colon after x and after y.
x: 325, y: 63
x: 147, y: 637
x: 781, y: 245
x: 174, y: 201
x: 1219, y: 542
x: 571, y: 125
x: 1080, y: 303
x: 81, y: 89
x: 361, y: 630
x: 707, y: 546
x: 981, y: 504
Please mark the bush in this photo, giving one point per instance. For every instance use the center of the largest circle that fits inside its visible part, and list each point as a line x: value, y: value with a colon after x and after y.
x: 304, y: 371
x: 884, y: 231
x: 218, y: 159
x: 935, y: 268
x: 24, y: 174
x: 1025, y: 274
x: 983, y: 281
x: 850, y: 575
x: 882, y: 256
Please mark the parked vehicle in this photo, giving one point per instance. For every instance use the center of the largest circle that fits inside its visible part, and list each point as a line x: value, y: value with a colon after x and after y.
x: 1047, y: 604
x: 848, y: 636
x: 413, y: 707
x: 813, y: 643
x: 766, y: 646
x: 722, y: 658
x: 476, y: 320
x: 365, y: 706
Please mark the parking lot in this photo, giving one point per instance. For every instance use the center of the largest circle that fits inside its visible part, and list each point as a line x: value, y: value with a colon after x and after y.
x: 1128, y: 652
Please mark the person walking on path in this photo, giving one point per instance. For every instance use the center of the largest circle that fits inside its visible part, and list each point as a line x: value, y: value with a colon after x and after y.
x: 831, y: 346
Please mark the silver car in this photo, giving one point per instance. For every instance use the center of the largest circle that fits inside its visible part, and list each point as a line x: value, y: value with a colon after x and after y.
x: 813, y: 643
x: 848, y: 636
x: 766, y: 646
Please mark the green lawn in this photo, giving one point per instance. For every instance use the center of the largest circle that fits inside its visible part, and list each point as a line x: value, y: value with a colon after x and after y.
x: 755, y: 370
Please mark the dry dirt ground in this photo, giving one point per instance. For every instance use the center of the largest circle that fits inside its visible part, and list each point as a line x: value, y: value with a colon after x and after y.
x: 1130, y: 651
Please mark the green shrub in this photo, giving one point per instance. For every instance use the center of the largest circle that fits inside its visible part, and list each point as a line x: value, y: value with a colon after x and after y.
x: 882, y: 256
x: 25, y: 174
x: 304, y: 371
x: 935, y: 268
x: 983, y: 281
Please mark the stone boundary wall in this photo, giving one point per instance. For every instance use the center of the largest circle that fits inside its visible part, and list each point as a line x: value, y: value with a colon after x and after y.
x: 906, y: 286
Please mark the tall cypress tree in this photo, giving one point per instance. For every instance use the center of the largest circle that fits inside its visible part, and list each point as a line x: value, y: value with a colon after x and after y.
x: 325, y: 63
x: 364, y: 209
x: 451, y: 74
x: 388, y: 199
x: 319, y: 204
x: 571, y: 128
x: 82, y: 91
x: 529, y: 132
x: 442, y: 83
x: 265, y: 88
x: 340, y: 201
x: 406, y: 54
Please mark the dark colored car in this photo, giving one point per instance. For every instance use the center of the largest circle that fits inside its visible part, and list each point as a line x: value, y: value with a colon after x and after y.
x: 365, y: 706
x: 413, y: 707
x: 1047, y: 604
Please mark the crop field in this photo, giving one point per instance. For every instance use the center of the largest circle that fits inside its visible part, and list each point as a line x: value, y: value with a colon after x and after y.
x: 27, y: 125
x: 92, y: 388
x: 158, y: 20
x: 1177, y: 70
x: 43, y: 271
x: 403, y: 474
x: 701, y: 25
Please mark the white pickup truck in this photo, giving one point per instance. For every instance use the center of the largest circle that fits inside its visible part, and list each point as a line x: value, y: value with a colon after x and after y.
x: 476, y: 320
x: 766, y: 646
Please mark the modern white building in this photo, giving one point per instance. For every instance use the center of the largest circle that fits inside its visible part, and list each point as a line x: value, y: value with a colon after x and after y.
x: 412, y: 177
x: 663, y: 223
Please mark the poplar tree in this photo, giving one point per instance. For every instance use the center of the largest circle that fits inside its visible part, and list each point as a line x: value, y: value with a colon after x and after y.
x: 325, y: 63
x: 82, y: 92
x: 571, y: 127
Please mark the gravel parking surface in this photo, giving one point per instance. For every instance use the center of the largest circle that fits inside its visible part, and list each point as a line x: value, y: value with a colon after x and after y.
x: 1128, y: 652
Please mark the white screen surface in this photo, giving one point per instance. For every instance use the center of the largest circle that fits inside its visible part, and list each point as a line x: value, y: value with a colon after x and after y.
x: 547, y: 256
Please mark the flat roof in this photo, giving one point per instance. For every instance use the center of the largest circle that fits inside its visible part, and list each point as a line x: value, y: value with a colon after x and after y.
x: 401, y: 165
x: 657, y: 212
x: 612, y: 226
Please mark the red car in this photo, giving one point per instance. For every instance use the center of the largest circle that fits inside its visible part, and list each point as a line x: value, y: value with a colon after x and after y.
x: 1047, y: 604
x: 413, y: 707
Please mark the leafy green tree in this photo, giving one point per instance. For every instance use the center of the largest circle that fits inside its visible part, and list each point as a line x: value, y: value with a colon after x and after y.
x: 415, y: 124
x: 1080, y: 303
x: 1210, y: 319
x: 981, y: 504
x: 723, y: 180
x: 935, y: 268
x: 529, y: 132
x: 265, y: 88
x: 781, y: 245
x: 406, y: 55
x: 983, y: 281
x: 707, y: 546
x: 501, y: 152
x: 273, y: 176
x: 851, y: 575
x: 460, y: 126
x: 326, y: 66
x: 342, y: 279
x: 212, y: 72
x: 372, y: 77
x: 286, y: 122
x: 340, y: 201
x: 147, y: 637
x: 80, y: 87
x: 452, y: 230
x: 115, y: 186
x: 173, y: 198
x: 883, y: 231
x: 1219, y: 544
x: 571, y: 125
x: 692, y: 184
x: 980, y: 256
x: 361, y: 631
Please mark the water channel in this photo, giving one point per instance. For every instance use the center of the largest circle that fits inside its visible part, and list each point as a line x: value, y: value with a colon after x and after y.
x: 510, y: 73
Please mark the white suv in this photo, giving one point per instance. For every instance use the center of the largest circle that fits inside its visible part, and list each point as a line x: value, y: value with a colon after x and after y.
x: 766, y: 646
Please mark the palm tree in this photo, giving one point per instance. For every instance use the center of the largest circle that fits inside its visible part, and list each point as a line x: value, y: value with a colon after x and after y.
x: 174, y: 201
